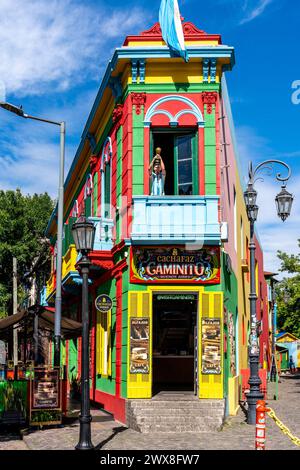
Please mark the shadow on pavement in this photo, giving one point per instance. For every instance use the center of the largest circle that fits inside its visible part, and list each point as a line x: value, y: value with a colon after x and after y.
x: 115, y: 432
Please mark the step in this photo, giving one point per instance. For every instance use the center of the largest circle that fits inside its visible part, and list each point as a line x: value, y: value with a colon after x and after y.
x: 176, y: 412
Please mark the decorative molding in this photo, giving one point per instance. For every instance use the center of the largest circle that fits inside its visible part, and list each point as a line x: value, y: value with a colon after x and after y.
x: 138, y: 100
x: 88, y: 188
x: 92, y: 141
x: 155, y: 30
x: 189, y: 29
x: 210, y: 99
x: 134, y: 70
x: 205, y: 70
x: 106, y: 153
x: 192, y: 109
x: 213, y: 70
x: 117, y: 113
x: 142, y: 70
x: 115, y: 85
x: 93, y: 162
x: 75, y: 210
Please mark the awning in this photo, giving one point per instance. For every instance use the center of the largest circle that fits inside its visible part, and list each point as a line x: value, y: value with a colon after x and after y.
x: 69, y: 328
x: 9, y: 322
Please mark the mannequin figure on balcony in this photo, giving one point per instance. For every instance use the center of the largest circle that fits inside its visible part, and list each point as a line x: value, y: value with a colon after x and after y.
x: 158, y: 173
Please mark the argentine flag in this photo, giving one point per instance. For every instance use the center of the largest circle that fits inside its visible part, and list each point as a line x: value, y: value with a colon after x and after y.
x: 171, y: 27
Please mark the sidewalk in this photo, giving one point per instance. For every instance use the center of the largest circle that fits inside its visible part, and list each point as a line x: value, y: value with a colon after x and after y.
x: 108, y: 434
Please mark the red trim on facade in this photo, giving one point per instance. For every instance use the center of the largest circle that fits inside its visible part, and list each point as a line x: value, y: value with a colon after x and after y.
x: 112, y: 404
x: 119, y: 334
x: 201, y: 161
x: 129, y: 170
x: 190, y: 31
x: 218, y: 149
x: 103, y: 259
x: 146, y: 160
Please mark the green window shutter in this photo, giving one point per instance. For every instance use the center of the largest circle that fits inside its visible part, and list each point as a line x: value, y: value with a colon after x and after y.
x: 107, y: 194
x: 88, y: 206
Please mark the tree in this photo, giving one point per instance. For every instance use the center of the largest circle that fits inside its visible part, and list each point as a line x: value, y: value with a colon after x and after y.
x: 288, y: 294
x: 23, y: 220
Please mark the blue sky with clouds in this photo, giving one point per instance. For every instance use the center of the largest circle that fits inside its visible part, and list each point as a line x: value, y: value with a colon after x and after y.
x: 53, y: 54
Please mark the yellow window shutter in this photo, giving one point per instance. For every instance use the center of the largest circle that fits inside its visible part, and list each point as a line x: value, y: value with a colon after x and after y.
x: 98, y: 345
x: 109, y: 343
x: 139, y: 306
x: 210, y: 307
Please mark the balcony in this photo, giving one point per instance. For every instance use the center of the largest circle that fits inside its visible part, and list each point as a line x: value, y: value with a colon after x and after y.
x: 103, y: 234
x: 175, y: 219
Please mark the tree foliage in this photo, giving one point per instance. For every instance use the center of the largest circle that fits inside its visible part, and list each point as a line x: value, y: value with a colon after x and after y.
x: 288, y: 294
x: 23, y: 220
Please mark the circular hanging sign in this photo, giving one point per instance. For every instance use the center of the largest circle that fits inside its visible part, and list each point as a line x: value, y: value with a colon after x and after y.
x: 103, y: 303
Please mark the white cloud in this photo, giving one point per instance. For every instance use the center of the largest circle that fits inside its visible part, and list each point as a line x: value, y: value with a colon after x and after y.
x: 50, y: 45
x: 255, y: 10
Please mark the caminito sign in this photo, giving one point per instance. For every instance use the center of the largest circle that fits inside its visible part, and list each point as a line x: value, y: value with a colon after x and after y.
x: 175, y: 265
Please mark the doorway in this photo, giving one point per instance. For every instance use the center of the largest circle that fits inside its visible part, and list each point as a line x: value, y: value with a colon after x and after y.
x: 174, y: 326
x: 178, y: 151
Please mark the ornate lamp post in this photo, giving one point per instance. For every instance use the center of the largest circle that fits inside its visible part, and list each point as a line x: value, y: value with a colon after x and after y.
x: 84, y: 234
x: 284, y: 202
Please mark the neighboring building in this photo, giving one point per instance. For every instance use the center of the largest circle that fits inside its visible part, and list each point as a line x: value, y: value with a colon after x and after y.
x: 175, y: 266
x: 292, y: 344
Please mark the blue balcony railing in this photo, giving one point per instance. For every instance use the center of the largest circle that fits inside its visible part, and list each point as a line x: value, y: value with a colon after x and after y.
x: 176, y: 219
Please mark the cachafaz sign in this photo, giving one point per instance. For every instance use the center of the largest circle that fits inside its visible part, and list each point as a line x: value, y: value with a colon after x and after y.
x: 175, y: 265
x: 103, y: 303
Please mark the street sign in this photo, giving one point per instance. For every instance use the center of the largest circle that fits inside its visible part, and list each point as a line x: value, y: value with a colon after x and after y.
x: 103, y: 303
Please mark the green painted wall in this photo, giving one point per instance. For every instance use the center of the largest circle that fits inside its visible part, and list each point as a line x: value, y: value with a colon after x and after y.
x: 138, y: 152
x: 119, y: 183
x: 72, y: 364
x: 210, y: 151
x: 230, y: 288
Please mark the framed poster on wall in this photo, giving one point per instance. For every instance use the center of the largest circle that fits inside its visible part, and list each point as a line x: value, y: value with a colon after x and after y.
x: 211, y: 346
x: 139, y: 346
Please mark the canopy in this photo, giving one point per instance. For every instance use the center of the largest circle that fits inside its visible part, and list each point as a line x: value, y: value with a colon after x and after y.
x: 69, y: 328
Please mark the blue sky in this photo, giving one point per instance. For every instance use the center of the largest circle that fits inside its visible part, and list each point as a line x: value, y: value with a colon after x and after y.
x: 53, y: 54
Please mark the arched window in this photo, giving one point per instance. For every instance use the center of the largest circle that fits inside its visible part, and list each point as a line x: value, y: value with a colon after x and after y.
x: 105, y: 174
x: 88, y: 190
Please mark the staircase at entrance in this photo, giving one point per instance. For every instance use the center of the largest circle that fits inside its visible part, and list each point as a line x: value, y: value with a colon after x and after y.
x: 175, y: 412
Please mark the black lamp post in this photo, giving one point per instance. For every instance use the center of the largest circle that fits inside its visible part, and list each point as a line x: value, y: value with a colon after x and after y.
x: 284, y: 202
x: 84, y: 234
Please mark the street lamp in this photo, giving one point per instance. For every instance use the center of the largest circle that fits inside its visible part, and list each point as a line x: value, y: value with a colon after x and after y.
x: 84, y: 233
x: 57, y: 326
x: 284, y: 202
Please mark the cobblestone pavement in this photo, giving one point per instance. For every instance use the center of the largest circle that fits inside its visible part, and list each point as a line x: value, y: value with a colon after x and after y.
x: 108, y: 434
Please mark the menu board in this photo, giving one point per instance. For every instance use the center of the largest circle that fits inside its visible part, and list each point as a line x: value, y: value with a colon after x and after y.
x: 211, y: 346
x: 139, y: 346
x: 46, y: 392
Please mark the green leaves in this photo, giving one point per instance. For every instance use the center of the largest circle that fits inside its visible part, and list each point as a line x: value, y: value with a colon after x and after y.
x: 23, y: 220
x: 288, y: 294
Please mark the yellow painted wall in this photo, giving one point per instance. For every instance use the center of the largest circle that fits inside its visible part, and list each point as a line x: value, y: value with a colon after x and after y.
x: 242, y: 278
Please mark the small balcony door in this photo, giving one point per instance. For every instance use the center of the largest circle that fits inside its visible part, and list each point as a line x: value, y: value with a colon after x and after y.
x: 179, y: 153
